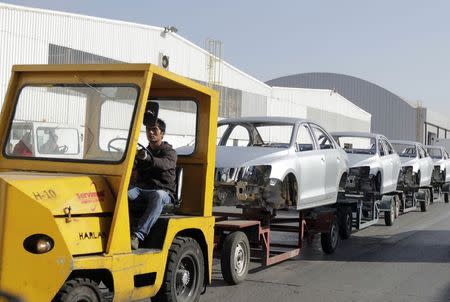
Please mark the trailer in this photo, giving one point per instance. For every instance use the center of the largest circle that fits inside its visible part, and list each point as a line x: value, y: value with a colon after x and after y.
x: 364, y: 210
x: 249, y: 234
x: 440, y: 179
x: 371, y: 183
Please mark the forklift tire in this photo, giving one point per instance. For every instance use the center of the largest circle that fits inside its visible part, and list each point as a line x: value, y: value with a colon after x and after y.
x: 185, y: 272
x: 346, y: 222
x: 235, y: 258
x: 330, y: 239
x: 77, y: 290
x: 446, y: 197
x: 389, y: 216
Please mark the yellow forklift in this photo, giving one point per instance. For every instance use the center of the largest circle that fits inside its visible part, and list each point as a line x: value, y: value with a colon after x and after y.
x: 64, y: 219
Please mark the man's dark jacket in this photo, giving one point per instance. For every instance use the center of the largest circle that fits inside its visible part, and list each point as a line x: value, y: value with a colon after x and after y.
x: 157, y: 171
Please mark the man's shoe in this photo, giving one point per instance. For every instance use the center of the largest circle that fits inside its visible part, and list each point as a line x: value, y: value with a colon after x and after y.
x: 134, y: 242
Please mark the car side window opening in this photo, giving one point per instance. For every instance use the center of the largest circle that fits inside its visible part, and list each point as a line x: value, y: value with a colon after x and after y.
x: 388, y: 147
x: 446, y: 156
x: 221, y: 132
x: 381, y: 148
x: 322, y: 138
x: 304, y: 141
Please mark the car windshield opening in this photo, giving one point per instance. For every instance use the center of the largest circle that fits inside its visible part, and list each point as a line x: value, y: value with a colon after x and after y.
x: 257, y: 135
x: 405, y: 150
x: 357, y: 145
x: 435, y: 153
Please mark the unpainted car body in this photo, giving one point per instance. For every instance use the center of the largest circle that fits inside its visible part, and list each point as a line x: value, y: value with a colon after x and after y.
x: 275, y: 162
x: 417, y: 165
x: 441, y: 161
x: 374, y: 166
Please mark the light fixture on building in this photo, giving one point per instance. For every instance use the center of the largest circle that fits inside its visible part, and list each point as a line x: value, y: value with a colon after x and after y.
x: 170, y: 29
x: 164, y: 60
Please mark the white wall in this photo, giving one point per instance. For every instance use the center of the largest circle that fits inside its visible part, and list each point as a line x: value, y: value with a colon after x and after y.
x: 26, y: 32
x: 323, y: 106
x: 25, y: 35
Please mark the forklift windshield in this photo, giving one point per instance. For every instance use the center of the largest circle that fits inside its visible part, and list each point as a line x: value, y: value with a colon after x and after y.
x: 72, y: 122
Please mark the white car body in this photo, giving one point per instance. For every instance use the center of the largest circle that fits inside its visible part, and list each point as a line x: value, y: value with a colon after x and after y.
x: 441, y: 159
x: 311, y: 171
x: 414, y: 155
x: 380, y: 161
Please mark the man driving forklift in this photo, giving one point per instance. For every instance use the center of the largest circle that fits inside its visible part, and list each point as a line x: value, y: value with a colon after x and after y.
x: 155, y: 183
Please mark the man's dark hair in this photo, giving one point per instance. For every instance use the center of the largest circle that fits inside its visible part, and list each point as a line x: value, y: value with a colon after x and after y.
x: 161, y: 125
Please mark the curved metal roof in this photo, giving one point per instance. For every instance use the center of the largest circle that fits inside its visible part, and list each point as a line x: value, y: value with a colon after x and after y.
x: 391, y: 115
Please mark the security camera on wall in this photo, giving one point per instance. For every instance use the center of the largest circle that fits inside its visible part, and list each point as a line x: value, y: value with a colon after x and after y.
x: 163, y: 60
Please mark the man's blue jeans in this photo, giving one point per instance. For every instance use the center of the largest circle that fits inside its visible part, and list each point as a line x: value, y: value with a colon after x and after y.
x: 149, y: 204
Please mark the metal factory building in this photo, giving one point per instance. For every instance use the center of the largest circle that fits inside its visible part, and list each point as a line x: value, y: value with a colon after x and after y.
x: 391, y: 115
x: 36, y: 36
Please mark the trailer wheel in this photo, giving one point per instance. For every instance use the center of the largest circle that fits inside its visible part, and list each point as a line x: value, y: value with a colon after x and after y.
x: 437, y: 194
x: 446, y: 197
x: 346, y: 222
x: 426, y: 200
x: 235, y: 258
x: 397, y: 206
x: 330, y: 239
x: 183, y: 280
x: 389, y: 216
x: 79, y: 290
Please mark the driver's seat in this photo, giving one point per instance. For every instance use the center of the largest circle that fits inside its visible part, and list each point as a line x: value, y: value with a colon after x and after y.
x: 176, y: 198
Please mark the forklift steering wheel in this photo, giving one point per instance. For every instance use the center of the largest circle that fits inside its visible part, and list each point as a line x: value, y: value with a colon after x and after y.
x: 142, y: 147
x: 63, y: 149
x: 111, y: 147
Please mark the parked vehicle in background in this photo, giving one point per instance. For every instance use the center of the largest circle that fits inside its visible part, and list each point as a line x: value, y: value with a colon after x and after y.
x: 415, y: 175
x: 43, y: 139
x: 276, y: 162
x: 440, y: 179
x: 371, y: 184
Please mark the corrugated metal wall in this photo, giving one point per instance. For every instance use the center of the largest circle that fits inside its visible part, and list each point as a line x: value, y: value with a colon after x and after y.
x: 391, y: 115
x: 324, y: 106
x: 34, y: 36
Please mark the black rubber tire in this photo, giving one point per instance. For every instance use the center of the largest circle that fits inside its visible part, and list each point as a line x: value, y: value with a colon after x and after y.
x: 424, y: 203
x: 185, y: 255
x: 446, y: 197
x: 234, y: 270
x: 79, y: 289
x: 389, y: 216
x: 397, y: 206
x: 345, y: 222
x: 330, y: 239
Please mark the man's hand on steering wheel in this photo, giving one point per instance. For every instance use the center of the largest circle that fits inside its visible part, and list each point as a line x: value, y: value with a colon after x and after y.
x: 143, y: 154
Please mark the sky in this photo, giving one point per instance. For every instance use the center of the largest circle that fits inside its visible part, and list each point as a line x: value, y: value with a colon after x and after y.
x: 401, y: 45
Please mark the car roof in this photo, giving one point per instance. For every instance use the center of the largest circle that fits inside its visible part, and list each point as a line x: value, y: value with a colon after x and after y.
x: 434, y: 147
x: 405, y: 142
x: 356, y: 134
x: 264, y: 119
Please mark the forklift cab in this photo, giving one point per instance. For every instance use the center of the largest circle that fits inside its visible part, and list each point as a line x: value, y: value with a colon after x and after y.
x: 65, y: 228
